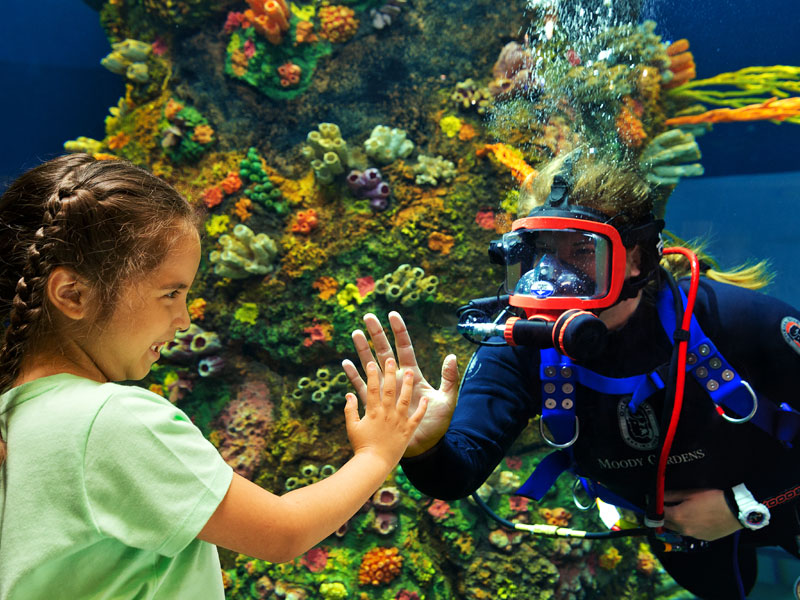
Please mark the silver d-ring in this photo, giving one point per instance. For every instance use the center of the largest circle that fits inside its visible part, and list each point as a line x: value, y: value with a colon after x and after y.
x: 752, y: 412
x: 575, y: 496
x: 551, y: 442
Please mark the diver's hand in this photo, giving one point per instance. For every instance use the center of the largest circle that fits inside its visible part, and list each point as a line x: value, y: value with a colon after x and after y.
x: 441, y: 402
x: 701, y: 514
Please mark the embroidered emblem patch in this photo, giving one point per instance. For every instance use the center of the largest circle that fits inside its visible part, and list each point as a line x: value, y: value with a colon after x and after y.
x: 790, y: 329
x: 639, y: 430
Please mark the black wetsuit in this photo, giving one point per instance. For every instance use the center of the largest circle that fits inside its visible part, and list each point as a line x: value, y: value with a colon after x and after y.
x: 500, y: 392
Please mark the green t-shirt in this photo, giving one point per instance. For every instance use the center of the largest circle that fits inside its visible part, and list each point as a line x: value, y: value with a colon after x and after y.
x: 103, y: 493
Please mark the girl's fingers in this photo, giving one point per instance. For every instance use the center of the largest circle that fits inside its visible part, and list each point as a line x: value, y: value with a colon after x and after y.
x: 351, y: 409
x: 389, y: 382
x: 404, y: 401
x: 373, y: 386
x: 383, y: 349
x: 402, y: 341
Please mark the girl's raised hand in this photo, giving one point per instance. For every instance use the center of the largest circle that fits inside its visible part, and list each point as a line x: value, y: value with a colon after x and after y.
x: 386, y: 427
x: 441, y: 401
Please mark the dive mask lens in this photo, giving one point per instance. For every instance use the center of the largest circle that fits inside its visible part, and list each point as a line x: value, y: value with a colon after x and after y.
x: 557, y: 263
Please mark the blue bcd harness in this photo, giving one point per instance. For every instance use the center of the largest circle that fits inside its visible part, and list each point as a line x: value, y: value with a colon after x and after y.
x: 730, y: 393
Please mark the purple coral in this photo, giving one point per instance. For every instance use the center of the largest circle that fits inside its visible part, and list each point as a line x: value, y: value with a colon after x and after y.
x: 382, y: 17
x: 370, y: 184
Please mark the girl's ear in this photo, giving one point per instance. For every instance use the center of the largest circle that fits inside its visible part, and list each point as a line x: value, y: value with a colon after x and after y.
x: 68, y: 293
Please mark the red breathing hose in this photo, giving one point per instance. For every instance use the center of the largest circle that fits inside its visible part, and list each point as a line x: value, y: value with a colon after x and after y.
x: 680, y: 379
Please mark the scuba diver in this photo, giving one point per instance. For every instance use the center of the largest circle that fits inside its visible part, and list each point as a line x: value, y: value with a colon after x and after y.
x: 672, y: 399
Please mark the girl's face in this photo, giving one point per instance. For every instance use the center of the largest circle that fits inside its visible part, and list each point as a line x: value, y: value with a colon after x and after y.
x: 148, y: 313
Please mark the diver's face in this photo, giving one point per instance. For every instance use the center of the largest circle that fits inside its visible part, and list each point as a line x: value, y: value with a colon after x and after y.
x: 571, y: 248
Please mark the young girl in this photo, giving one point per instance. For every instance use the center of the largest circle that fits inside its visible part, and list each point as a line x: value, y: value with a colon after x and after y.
x: 109, y: 491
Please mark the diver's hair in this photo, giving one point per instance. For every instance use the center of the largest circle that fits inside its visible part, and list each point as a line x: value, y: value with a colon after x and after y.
x: 753, y: 276
x: 619, y: 191
x: 108, y: 221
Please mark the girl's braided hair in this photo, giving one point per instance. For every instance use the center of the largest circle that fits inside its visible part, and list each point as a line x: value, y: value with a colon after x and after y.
x: 108, y: 221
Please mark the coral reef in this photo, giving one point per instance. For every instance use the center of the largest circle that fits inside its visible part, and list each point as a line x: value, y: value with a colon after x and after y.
x: 406, y: 285
x: 327, y: 152
x: 370, y: 184
x: 337, y: 23
x: 433, y: 170
x: 244, y: 254
x: 384, y: 15
x: 386, y: 145
x: 380, y: 566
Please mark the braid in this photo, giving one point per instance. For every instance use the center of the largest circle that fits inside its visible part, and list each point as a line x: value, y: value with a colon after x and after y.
x: 28, y: 305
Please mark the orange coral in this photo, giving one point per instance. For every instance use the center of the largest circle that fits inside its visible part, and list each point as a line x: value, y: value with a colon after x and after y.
x: 203, y: 134
x: 441, y: 242
x: 212, y: 196
x: 232, y: 182
x: 239, y: 63
x: 771, y: 109
x: 290, y: 74
x: 270, y: 18
x: 467, y: 132
x: 681, y: 63
x: 172, y: 108
x: 318, y: 332
x: 304, y: 32
x: 508, y: 157
x: 556, y: 516
x: 645, y: 561
x: 306, y: 221
x: 242, y: 208
x: 197, y: 309
x: 380, y: 565
x: 338, y: 23
x: 115, y: 142
x: 327, y: 287
x: 629, y: 128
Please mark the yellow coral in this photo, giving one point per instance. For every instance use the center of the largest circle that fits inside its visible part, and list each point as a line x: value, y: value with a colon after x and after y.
x: 217, y: 224
x: 247, y: 313
x: 450, y: 125
x: 348, y: 295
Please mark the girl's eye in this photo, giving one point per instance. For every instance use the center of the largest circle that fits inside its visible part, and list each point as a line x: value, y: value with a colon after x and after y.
x: 173, y: 294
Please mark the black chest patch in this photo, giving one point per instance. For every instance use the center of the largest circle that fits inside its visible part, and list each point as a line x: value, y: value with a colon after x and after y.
x: 639, y: 430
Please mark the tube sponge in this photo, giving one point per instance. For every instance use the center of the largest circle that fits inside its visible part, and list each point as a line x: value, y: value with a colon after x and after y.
x: 386, y: 145
x: 244, y: 254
